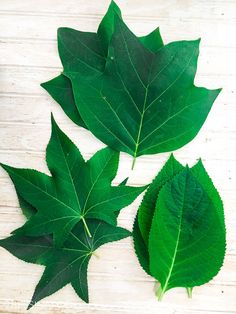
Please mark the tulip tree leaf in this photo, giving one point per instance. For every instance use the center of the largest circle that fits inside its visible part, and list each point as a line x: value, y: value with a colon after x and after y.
x: 77, y: 190
x: 65, y: 265
x: 144, y: 102
x: 143, y: 220
x: 85, y: 53
x: 61, y: 91
x: 187, y: 236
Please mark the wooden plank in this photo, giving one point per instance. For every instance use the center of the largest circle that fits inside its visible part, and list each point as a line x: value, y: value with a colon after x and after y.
x: 212, y: 9
x: 28, y: 137
x: 36, y: 28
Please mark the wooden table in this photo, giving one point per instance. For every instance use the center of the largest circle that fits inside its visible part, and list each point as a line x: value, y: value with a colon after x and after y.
x: 28, y: 57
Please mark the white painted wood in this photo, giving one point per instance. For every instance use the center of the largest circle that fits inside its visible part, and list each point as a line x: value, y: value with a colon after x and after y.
x: 28, y: 57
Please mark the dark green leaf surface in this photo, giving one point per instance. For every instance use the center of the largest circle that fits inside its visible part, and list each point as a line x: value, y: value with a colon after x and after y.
x: 85, y: 53
x: 75, y: 191
x: 60, y: 89
x: 67, y: 264
x: 141, y: 249
x: 187, y: 237
x: 199, y: 172
x: 144, y: 102
x: 147, y: 207
x: 143, y: 220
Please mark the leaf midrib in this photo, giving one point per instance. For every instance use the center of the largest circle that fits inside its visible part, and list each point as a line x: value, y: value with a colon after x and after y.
x: 146, y: 92
x: 177, y: 243
x: 92, y: 187
x: 68, y: 169
x: 43, y: 191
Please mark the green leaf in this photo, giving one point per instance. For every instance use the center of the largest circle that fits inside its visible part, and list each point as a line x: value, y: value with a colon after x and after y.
x: 106, y: 27
x: 75, y: 191
x: 147, y: 207
x: 143, y: 220
x: 187, y: 237
x: 85, y: 53
x: 152, y: 41
x: 27, y: 209
x: 144, y: 103
x: 60, y: 89
x: 66, y: 265
x: 140, y: 247
x: 199, y: 172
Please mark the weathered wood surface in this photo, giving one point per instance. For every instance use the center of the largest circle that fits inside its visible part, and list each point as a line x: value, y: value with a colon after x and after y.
x: 29, y: 57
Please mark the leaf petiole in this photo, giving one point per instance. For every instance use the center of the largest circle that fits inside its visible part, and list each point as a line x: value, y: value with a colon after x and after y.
x: 190, y: 292
x: 133, y: 163
x: 160, y: 293
x: 86, y: 227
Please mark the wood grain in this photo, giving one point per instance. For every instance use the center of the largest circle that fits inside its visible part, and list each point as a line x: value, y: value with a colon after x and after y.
x: 28, y: 58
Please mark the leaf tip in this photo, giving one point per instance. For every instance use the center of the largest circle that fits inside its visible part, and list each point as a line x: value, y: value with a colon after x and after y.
x: 61, y: 31
x: 31, y: 304
x: 4, y: 166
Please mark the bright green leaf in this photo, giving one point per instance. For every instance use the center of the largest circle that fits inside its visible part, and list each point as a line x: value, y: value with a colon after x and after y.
x: 85, y: 53
x: 75, y: 191
x: 143, y: 220
x: 67, y: 264
x: 147, y: 207
x: 144, y: 103
x: 203, y: 178
x: 60, y: 89
x: 187, y: 237
x: 140, y: 247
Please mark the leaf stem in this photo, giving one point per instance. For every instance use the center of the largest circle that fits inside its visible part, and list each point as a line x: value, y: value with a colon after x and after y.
x: 133, y: 163
x: 160, y: 293
x: 86, y: 227
x: 190, y: 292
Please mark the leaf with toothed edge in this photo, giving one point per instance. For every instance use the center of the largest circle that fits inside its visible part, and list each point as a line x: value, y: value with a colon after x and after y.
x: 143, y: 220
x: 40, y: 250
x: 76, y: 191
x: 144, y: 102
x: 65, y: 265
x: 187, y: 236
x: 77, y: 50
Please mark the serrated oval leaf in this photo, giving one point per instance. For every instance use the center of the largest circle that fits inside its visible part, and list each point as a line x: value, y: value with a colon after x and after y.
x: 187, y: 238
x: 143, y: 220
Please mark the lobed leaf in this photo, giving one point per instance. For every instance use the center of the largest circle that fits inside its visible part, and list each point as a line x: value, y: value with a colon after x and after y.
x: 85, y: 53
x: 144, y: 102
x: 65, y: 265
x: 77, y: 190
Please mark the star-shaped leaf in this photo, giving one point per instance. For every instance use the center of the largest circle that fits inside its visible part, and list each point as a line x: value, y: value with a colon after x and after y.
x: 85, y: 53
x: 77, y: 190
x: 144, y: 102
x: 65, y: 265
